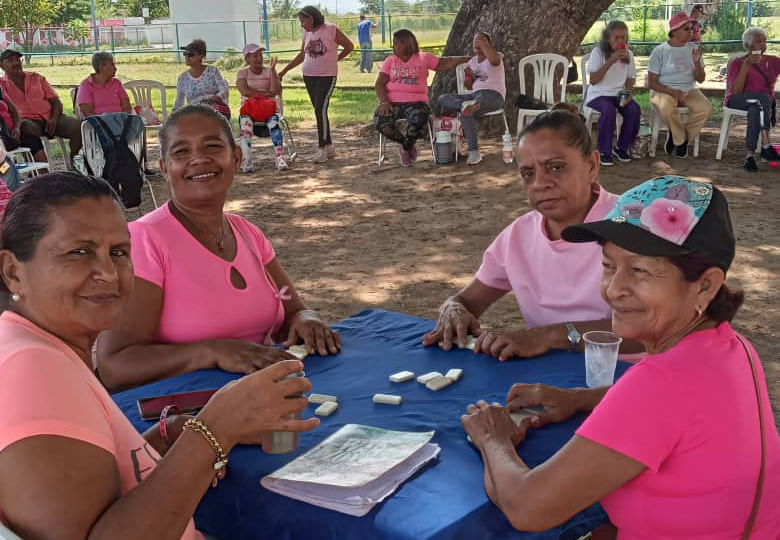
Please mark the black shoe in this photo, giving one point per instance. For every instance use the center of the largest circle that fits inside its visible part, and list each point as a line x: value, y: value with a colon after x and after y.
x: 769, y: 154
x: 669, y: 146
x: 622, y: 155
x: 606, y: 160
x: 750, y: 164
x: 682, y: 150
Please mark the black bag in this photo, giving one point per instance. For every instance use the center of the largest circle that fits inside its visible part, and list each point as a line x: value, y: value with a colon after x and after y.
x: 530, y: 102
x: 573, y: 75
x: 122, y: 169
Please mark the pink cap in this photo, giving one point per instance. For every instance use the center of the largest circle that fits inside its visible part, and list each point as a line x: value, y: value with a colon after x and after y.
x: 678, y: 20
x: 252, y: 48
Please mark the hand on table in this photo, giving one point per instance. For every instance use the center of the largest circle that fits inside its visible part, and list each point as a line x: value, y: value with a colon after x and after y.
x: 455, y: 323
x: 307, y: 326
x: 238, y: 356
x: 243, y: 409
x: 559, y: 403
x: 521, y: 343
x: 483, y: 420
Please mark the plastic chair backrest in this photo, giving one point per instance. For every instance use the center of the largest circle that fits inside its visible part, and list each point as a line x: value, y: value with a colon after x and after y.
x: 544, y: 67
x: 76, y: 109
x: 142, y: 90
x: 93, y: 150
x: 460, y: 76
x: 585, y: 75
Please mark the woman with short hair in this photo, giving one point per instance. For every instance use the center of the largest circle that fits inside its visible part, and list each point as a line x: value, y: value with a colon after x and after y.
x: 102, y: 92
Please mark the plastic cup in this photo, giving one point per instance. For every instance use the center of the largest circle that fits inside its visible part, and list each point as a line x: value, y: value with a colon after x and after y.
x: 601, y: 352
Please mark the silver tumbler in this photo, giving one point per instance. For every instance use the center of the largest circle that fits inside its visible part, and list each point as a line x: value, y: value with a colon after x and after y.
x: 283, y: 442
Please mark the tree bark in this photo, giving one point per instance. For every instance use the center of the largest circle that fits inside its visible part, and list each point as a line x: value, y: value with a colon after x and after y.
x: 518, y: 28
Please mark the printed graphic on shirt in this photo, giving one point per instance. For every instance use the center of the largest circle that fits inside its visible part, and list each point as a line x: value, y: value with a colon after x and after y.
x: 404, y: 75
x: 480, y: 75
x: 316, y: 47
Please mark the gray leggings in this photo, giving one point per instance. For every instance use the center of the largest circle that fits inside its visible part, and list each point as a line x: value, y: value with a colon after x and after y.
x: 754, y: 121
x: 489, y: 101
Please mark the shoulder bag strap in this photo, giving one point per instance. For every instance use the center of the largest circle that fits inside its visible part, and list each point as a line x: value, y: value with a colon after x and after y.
x: 760, y: 484
x: 766, y: 80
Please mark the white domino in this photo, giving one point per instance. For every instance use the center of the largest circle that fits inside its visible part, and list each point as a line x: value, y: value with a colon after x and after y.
x: 298, y: 351
x: 327, y: 408
x: 471, y: 342
x: 319, y: 399
x: 387, y: 399
x: 424, y: 379
x: 402, y: 376
x: 455, y: 374
x: 438, y: 383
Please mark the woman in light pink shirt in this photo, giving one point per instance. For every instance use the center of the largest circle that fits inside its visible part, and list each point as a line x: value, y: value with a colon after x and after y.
x: 240, y: 302
x: 320, y: 57
x: 72, y: 465
x: 102, y: 92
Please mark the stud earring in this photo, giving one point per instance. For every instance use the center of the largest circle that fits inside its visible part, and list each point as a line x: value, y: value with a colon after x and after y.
x: 699, y: 311
x: 16, y: 297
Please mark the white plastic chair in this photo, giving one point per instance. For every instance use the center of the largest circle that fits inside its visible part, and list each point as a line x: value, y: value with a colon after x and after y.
x: 544, y: 67
x: 382, y: 143
x: 93, y: 153
x: 589, y: 114
x: 63, y: 150
x: 142, y: 91
x: 289, y: 142
x: 728, y: 115
x: 26, y: 165
x: 656, y: 123
x: 460, y: 75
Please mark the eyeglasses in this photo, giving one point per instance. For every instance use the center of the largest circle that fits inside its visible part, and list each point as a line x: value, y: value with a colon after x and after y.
x: 189, y: 54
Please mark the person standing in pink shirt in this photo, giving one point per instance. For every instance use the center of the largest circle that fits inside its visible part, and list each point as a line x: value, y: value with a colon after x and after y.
x: 556, y: 283
x: 102, y: 92
x: 684, y: 445
x: 320, y: 57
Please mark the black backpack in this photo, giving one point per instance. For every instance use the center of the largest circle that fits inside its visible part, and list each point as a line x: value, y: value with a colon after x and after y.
x: 122, y: 169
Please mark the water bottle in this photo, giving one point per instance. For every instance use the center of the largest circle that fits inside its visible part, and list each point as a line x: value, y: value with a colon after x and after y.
x: 506, y: 151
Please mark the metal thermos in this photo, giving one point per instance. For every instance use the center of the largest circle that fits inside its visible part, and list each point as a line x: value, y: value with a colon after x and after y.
x: 283, y: 442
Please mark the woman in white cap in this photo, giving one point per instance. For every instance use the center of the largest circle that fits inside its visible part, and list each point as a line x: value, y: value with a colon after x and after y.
x: 259, y: 87
x: 674, y: 69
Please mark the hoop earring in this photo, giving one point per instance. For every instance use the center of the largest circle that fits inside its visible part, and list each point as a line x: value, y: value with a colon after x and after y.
x: 16, y: 297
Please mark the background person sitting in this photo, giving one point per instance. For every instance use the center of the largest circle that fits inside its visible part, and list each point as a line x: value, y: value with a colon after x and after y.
x: 259, y: 86
x: 39, y: 106
x: 240, y: 301
x: 750, y: 86
x: 72, y: 464
x: 484, y: 76
x: 402, y: 90
x: 201, y: 84
x: 101, y: 92
x: 10, y: 131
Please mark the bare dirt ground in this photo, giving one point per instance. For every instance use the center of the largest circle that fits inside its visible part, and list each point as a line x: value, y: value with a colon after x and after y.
x: 354, y: 235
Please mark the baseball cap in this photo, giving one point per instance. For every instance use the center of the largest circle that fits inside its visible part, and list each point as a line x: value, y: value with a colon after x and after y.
x: 666, y: 216
x: 679, y: 20
x: 251, y: 48
x: 196, y: 46
x: 9, y: 53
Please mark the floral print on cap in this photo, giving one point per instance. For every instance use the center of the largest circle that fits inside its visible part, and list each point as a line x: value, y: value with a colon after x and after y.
x: 667, y: 206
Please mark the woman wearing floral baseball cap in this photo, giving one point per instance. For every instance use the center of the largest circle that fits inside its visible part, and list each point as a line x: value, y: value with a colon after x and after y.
x: 683, y: 445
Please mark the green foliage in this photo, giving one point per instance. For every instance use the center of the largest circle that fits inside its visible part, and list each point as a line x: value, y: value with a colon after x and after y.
x: 728, y: 22
x: 284, y: 9
x: 25, y: 16
x: 65, y: 11
x: 230, y: 59
x: 76, y: 30
x: 158, y: 9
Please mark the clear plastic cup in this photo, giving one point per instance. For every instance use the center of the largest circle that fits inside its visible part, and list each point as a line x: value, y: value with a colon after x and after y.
x: 601, y: 353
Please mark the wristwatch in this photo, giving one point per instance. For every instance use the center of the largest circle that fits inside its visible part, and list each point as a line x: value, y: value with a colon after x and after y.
x: 573, y: 336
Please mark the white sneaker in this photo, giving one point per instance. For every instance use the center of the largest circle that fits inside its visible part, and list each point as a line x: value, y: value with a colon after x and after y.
x: 281, y: 164
x: 331, y: 151
x: 321, y: 156
x: 474, y: 157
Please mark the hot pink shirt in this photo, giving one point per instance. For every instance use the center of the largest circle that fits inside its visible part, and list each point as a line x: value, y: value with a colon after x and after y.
x: 33, y: 103
x: 690, y: 415
x: 199, y: 301
x: 104, y: 99
x: 754, y: 82
x: 408, y: 81
x: 487, y: 76
x: 46, y: 389
x: 321, y: 52
x: 554, y: 281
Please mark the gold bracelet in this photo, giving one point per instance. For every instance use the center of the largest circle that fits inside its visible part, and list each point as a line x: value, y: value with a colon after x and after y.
x: 220, y: 466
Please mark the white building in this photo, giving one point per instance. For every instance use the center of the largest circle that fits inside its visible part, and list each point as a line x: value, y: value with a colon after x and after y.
x: 222, y: 24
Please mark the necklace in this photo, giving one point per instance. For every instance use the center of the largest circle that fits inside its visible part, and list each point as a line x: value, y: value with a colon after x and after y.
x: 218, y: 240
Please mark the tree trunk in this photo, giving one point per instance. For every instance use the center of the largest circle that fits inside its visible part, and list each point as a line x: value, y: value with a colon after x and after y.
x: 518, y: 28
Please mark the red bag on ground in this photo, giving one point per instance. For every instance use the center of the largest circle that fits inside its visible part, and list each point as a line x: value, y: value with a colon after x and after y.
x: 259, y: 108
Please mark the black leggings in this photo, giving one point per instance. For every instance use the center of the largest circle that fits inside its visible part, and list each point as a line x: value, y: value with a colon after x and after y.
x: 320, y: 90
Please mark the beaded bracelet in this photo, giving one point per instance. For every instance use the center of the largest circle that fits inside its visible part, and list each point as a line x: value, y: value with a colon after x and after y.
x: 220, y: 466
x: 163, y: 417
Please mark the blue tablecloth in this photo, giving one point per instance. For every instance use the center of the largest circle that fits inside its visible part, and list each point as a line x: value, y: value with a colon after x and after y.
x: 444, y: 501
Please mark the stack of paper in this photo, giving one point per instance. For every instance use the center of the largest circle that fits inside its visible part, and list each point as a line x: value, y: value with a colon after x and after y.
x: 353, y: 469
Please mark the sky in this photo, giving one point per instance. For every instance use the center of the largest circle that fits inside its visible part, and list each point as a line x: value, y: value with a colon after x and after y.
x: 344, y: 6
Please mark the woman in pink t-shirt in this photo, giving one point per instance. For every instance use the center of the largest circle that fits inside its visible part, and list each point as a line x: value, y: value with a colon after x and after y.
x: 209, y: 291
x: 682, y: 446
x: 402, y: 90
x: 102, y: 92
x: 72, y: 465
x: 320, y: 57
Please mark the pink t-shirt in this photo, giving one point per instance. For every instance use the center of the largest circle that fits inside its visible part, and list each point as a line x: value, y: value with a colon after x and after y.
x: 408, y: 81
x: 33, y: 103
x: 554, y: 281
x: 260, y: 82
x: 321, y: 52
x: 487, y: 76
x: 689, y: 414
x: 104, y: 99
x: 199, y: 301
x: 46, y: 389
x: 754, y: 81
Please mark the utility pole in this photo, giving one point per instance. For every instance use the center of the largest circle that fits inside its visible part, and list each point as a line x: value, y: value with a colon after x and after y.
x: 95, y: 31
